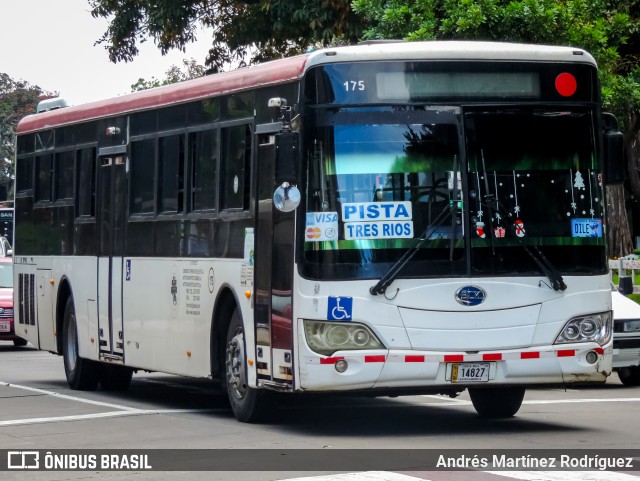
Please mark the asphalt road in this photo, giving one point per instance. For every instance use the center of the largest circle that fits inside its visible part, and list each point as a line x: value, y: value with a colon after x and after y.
x: 39, y: 412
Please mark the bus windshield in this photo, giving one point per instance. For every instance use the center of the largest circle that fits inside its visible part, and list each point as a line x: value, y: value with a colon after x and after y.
x: 505, y: 180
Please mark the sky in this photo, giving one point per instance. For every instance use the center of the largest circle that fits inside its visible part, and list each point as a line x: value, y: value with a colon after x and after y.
x: 50, y: 43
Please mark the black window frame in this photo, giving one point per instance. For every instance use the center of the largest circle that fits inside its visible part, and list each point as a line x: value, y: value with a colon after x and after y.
x: 81, y: 182
x: 244, y: 167
x: 151, y: 180
x: 59, y: 181
x: 43, y: 176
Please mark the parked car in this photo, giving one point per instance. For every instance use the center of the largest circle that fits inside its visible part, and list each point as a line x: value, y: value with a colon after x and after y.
x: 7, y: 327
x: 5, y: 247
x: 626, y: 338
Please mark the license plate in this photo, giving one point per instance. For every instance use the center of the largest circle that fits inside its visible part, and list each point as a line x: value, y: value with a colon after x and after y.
x: 5, y: 326
x: 468, y: 372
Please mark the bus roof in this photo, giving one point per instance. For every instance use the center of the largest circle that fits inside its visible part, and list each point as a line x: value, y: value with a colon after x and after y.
x: 292, y: 68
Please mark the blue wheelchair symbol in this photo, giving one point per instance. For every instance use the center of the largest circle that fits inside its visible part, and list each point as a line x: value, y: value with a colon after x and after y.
x: 340, y: 308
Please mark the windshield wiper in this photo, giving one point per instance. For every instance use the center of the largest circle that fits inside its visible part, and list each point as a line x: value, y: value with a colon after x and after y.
x: 392, y: 273
x: 547, y: 268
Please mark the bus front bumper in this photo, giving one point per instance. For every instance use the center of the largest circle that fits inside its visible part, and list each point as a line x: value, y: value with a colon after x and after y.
x: 357, y: 370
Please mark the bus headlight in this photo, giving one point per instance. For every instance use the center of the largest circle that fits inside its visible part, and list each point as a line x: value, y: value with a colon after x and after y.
x: 328, y: 337
x: 591, y: 328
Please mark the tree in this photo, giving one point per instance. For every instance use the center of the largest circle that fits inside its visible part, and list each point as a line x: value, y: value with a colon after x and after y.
x: 191, y: 69
x: 17, y: 99
x: 609, y: 30
x: 257, y: 30
x: 243, y: 32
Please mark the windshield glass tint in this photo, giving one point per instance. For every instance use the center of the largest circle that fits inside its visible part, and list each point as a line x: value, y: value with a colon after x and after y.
x: 375, y: 187
x: 534, y: 180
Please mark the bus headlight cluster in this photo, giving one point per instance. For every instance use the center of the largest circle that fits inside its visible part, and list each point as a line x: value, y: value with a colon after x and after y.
x: 328, y: 337
x: 591, y: 328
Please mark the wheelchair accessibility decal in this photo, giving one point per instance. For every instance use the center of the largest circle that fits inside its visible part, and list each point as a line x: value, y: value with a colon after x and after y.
x: 339, y: 308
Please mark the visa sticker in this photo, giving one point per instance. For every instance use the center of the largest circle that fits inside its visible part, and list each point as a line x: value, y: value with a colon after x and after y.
x: 340, y: 308
x: 321, y: 226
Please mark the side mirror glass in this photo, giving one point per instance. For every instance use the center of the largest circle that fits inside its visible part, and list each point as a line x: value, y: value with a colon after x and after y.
x: 613, y: 143
x: 286, y: 198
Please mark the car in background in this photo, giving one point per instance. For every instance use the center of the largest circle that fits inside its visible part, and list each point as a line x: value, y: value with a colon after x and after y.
x: 626, y: 338
x: 5, y: 247
x: 7, y: 327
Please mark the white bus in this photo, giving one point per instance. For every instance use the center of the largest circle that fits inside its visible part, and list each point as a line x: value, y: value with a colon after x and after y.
x: 387, y: 218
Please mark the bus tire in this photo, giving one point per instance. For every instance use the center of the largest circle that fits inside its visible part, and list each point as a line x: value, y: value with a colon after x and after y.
x: 630, y: 376
x: 500, y: 402
x: 19, y: 342
x: 248, y: 404
x: 82, y: 374
x: 115, y: 378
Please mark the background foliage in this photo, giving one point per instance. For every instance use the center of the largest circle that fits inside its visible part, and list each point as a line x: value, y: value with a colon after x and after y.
x: 17, y: 99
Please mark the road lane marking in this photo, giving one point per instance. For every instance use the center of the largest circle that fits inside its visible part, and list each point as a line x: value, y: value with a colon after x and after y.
x: 583, y: 400
x: 566, y: 475
x: 364, y: 476
x: 129, y: 410
x: 123, y: 410
x: 66, y: 396
x: 110, y: 414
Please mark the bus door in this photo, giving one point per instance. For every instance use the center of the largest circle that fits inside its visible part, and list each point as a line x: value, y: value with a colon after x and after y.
x: 273, y: 271
x: 111, y: 220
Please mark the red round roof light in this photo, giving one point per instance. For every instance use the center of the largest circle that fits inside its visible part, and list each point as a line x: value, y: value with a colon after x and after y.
x: 566, y: 84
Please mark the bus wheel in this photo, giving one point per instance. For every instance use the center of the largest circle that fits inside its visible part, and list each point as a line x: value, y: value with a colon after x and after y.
x: 630, y: 376
x: 501, y: 402
x: 82, y: 374
x: 115, y: 378
x: 247, y: 403
x: 19, y: 342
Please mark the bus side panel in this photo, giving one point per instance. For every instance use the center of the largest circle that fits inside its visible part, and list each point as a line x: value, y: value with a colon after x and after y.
x: 167, y: 311
x: 46, y: 318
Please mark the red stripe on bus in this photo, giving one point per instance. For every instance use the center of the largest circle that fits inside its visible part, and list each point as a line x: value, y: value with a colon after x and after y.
x: 454, y: 358
x: 529, y: 355
x: 492, y: 357
x: 330, y: 360
x: 262, y: 75
x: 567, y: 353
x: 413, y: 358
x: 599, y: 350
x: 374, y: 359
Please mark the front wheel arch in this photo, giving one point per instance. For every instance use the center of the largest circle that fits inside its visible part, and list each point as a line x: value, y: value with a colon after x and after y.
x: 226, y: 303
x: 82, y: 374
x: 64, y: 294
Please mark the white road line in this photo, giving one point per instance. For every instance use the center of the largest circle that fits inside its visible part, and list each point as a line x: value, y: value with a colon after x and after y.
x: 450, y: 401
x: 70, y: 398
x: 123, y: 410
x: 110, y: 414
x: 566, y: 475
x: 563, y: 401
x: 79, y: 417
x: 364, y: 476
x: 128, y: 410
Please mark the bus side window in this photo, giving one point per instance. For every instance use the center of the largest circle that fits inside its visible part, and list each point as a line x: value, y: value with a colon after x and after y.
x: 235, y: 175
x: 203, y: 156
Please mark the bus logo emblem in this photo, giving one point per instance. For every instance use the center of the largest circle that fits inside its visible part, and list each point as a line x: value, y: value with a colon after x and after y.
x: 470, y: 296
